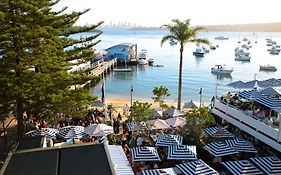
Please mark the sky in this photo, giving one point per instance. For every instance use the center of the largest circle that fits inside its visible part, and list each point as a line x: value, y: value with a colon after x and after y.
x: 154, y: 13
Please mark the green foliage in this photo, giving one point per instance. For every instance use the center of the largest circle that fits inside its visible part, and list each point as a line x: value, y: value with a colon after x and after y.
x: 182, y: 32
x: 159, y: 95
x: 35, y: 51
x: 140, y: 111
x: 196, y: 121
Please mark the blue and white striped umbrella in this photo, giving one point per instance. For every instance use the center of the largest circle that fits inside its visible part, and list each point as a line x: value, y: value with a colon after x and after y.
x: 219, y: 149
x: 182, y: 152
x: 50, y: 133
x: 196, y: 168
x: 237, y: 84
x: 270, y: 91
x: 98, y: 130
x: 272, y: 82
x: 102, y: 139
x: 135, y: 125
x: 164, y: 171
x: 269, y: 102
x: 168, y: 139
x: 241, y: 145
x: 142, y: 154
x: 269, y: 165
x: 241, y: 167
x: 69, y: 132
x: 250, y: 94
x: 218, y: 132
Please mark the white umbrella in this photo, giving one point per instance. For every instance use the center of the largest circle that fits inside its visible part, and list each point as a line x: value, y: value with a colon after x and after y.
x: 176, y: 121
x: 172, y: 112
x: 98, y: 130
x: 189, y: 105
x: 158, y: 124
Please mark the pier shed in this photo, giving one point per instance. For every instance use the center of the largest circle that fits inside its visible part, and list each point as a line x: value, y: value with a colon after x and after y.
x: 124, y: 52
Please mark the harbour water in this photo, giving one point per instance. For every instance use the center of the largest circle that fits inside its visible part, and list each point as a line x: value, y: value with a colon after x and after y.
x: 196, y: 71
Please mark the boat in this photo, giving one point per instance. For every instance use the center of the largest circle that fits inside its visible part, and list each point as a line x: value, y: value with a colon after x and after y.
x: 241, y: 51
x: 221, y: 69
x: 205, y: 49
x: 274, y: 51
x: 245, y: 39
x: 158, y: 65
x: 221, y: 38
x: 173, y: 42
x: 213, y: 47
x: 245, y: 46
x: 268, y: 68
x: 143, y: 57
x: 150, y: 61
x: 242, y: 58
x: 199, y: 52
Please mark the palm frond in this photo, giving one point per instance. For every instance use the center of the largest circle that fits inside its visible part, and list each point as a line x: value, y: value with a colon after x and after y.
x: 200, y: 41
x: 166, y: 38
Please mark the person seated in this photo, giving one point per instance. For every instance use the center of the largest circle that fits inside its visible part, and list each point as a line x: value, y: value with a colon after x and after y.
x: 277, y: 121
x: 261, y: 115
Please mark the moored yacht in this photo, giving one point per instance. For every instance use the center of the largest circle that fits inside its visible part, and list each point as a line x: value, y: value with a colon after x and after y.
x: 221, y: 69
x: 143, y: 57
x: 199, y: 52
x: 173, y: 42
x: 268, y: 68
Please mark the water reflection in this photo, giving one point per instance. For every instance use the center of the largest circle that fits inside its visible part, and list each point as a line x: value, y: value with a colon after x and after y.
x: 222, y: 76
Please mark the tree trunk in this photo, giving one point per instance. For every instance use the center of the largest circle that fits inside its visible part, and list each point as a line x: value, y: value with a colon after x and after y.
x: 20, y: 118
x: 180, y: 78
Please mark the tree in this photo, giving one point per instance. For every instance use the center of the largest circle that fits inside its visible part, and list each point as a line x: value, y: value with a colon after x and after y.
x: 183, y: 33
x: 159, y: 95
x: 196, y: 121
x: 35, y: 54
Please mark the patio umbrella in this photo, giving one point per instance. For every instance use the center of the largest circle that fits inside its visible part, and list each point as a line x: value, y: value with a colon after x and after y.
x: 157, y: 113
x: 241, y: 145
x: 69, y: 132
x: 168, y: 139
x: 219, y: 149
x: 98, y: 130
x: 158, y: 124
x: 250, y: 94
x: 241, y: 167
x: 218, y: 132
x: 176, y: 121
x: 182, y: 152
x: 269, y: 165
x: 272, y: 82
x: 270, y: 91
x: 196, y: 168
x: 50, y: 133
x: 172, y: 112
x: 142, y: 154
x: 237, y: 84
x: 164, y: 171
x: 269, y: 102
x: 189, y: 105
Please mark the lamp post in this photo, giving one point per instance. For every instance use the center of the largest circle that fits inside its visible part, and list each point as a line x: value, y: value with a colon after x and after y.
x: 200, y: 93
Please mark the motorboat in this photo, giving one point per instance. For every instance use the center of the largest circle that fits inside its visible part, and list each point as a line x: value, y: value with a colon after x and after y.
x: 173, y: 42
x: 242, y: 58
x: 245, y: 39
x: 268, y: 68
x: 150, y: 61
x: 221, y: 69
x: 245, y: 46
x: 274, y: 50
x: 199, y: 52
x: 213, y: 47
x: 143, y: 57
x: 205, y: 49
x: 221, y: 38
x: 241, y: 51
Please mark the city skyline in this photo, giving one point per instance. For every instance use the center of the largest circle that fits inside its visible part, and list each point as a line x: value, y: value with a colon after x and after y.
x: 157, y: 13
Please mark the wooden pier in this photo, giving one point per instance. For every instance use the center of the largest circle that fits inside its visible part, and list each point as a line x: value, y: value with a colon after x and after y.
x: 103, y: 66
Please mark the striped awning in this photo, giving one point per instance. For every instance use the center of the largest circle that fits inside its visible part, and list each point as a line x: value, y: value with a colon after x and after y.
x: 196, y: 168
x: 69, y: 132
x: 135, y: 125
x: 269, y: 102
x: 182, y: 152
x: 164, y: 171
x: 269, y: 165
x: 142, y: 154
x: 250, y: 94
x: 168, y: 139
x: 241, y: 167
x: 50, y: 133
x: 219, y: 149
x: 241, y: 145
x: 218, y: 132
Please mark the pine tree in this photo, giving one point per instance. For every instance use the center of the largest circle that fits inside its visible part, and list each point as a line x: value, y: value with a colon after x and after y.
x: 35, y: 54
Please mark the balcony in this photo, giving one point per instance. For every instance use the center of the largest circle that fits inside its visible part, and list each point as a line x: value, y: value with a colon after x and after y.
x: 263, y: 131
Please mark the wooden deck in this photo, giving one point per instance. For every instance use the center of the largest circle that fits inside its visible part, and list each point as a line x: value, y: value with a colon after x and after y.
x: 103, y: 67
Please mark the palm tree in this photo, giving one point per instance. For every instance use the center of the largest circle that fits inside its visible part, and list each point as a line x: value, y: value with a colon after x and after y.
x: 183, y: 33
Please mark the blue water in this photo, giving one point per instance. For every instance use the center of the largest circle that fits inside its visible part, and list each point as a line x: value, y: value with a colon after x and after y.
x: 196, y: 71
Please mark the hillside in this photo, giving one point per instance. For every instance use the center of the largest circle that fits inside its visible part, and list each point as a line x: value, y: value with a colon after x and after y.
x: 259, y: 27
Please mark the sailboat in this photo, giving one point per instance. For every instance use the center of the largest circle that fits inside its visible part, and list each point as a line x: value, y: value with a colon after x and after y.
x: 126, y: 69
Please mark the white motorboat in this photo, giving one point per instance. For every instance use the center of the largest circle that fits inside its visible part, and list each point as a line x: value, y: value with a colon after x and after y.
x: 245, y: 39
x: 268, y: 68
x: 205, y: 49
x: 143, y: 57
x: 221, y: 38
x: 241, y: 51
x: 242, y: 58
x: 221, y: 69
x: 173, y: 42
x: 274, y: 50
x: 199, y: 52
x: 245, y: 46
